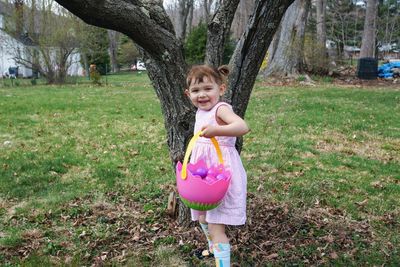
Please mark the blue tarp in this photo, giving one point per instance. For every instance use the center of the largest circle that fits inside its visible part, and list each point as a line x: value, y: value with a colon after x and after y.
x: 386, y: 70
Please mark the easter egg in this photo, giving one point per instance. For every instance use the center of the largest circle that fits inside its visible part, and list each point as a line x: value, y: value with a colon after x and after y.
x: 213, y: 172
x: 202, y: 172
x: 221, y: 176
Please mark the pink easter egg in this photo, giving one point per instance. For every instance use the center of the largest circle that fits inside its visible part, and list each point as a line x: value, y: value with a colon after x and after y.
x: 202, y: 172
x: 213, y: 172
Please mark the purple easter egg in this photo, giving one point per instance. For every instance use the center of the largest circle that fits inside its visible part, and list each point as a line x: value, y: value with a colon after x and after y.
x: 202, y: 172
x: 221, y: 176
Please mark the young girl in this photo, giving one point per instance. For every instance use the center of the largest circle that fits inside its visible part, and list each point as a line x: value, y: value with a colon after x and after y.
x: 205, y: 86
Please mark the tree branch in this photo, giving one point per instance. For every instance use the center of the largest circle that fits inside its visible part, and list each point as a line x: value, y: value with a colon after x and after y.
x: 146, y: 22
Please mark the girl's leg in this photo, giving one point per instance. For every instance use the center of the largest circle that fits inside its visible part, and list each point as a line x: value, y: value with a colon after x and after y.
x: 221, y: 247
x: 204, y: 227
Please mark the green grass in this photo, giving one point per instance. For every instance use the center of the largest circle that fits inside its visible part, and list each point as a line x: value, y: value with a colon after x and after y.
x: 62, y: 145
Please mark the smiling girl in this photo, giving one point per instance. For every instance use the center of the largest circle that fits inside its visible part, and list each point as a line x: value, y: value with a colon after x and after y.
x: 205, y: 86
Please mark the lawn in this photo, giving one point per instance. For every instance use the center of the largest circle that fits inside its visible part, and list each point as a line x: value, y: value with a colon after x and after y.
x: 85, y: 176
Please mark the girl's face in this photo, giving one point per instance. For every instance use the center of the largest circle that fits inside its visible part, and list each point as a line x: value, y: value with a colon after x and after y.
x: 205, y: 95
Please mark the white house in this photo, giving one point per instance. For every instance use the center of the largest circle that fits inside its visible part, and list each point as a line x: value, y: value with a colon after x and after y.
x: 9, y: 45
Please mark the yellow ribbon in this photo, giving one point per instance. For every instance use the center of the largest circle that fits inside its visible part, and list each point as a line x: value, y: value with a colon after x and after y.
x: 190, y: 148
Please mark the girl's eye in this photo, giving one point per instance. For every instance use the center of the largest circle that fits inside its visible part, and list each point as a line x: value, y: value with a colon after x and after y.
x: 208, y: 89
x: 195, y: 91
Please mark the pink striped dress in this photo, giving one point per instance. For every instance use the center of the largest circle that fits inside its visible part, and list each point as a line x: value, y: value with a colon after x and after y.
x: 232, y: 210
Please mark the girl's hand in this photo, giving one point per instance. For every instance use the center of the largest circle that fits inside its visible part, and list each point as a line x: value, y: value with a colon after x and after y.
x: 209, y: 131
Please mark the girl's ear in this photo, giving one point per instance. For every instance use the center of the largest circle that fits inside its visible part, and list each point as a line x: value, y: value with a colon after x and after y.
x: 187, y: 92
x: 222, y: 89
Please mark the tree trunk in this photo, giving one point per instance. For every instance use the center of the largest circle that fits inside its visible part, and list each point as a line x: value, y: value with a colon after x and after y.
x: 113, y: 37
x: 19, y: 17
x: 288, y: 59
x: 369, y: 33
x: 184, y: 9
x: 146, y: 23
x: 207, y: 9
x: 321, y: 24
x: 218, y: 31
x: 190, y: 20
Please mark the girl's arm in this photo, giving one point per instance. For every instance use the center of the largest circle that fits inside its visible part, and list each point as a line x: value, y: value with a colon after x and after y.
x: 233, y: 124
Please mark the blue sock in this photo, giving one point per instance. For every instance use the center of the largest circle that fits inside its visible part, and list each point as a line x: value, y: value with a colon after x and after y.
x: 204, y: 227
x: 222, y: 254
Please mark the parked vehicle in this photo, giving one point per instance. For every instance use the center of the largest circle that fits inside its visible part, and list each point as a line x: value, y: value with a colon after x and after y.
x: 138, y: 66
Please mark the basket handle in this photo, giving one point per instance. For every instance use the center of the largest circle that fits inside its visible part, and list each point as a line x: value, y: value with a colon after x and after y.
x: 190, y: 148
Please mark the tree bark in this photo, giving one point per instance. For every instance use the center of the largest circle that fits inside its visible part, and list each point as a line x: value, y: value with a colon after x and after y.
x: 288, y: 59
x: 113, y: 37
x: 321, y: 25
x: 369, y: 33
x: 218, y: 32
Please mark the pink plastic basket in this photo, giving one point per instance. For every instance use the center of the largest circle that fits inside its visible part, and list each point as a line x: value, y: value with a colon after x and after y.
x: 202, y: 187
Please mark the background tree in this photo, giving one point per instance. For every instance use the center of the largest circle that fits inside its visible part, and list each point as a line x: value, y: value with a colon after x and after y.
x: 321, y: 36
x: 185, y: 11
x: 94, y: 45
x: 343, y: 25
x: 128, y: 54
x: 287, y: 57
x: 19, y: 16
x: 369, y: 34
x: 242, y: 15
x: 388, y: 25
x: 51, y: 40
x: 113, y: 41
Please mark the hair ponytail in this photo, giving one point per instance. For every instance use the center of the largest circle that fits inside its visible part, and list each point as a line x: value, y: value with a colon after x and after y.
x: 223, y: 70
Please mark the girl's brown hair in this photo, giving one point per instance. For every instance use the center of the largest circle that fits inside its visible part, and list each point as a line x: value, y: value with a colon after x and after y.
x: 198, y: 72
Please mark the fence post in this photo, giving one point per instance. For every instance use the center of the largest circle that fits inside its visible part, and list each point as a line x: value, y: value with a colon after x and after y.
x: 106, y: 75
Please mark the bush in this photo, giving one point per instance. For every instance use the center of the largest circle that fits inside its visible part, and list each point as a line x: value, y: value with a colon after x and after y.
x: 95, y: 75
x: 195, y: 46
x: 317, y: 62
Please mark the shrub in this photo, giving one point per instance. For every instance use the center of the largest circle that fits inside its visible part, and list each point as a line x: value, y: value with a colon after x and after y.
x: 195, y: 46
